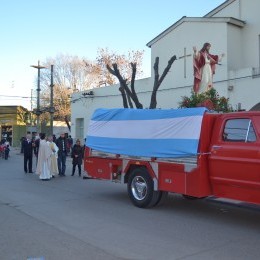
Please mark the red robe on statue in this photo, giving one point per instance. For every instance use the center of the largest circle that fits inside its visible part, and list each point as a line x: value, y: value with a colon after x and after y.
x: 198, y: 64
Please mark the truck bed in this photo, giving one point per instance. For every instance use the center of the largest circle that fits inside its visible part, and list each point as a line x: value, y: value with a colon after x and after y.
x: 180, y: 160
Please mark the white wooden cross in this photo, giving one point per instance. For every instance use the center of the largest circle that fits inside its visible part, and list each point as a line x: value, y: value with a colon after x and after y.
x: 185, y: 55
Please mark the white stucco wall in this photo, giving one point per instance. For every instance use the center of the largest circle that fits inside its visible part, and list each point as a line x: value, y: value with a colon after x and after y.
x: 248, y: 11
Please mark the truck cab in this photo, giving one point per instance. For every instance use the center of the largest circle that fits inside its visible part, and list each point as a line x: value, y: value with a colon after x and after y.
x: 234, y: 161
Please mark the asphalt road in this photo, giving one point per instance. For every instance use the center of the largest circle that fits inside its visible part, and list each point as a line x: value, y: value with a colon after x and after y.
x: 72, y: 218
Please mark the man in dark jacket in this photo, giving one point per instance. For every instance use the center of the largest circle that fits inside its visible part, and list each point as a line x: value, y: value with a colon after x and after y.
x: 62, y: 144
x: 28, y: 153
x: 77, y: 156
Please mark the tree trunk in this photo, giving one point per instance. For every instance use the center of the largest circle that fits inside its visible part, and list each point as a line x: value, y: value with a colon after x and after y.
x: 123, y: 84
x: 158, y: 80
x: 133, y: 65
x: 129, y: 101
x: 67, y: 122
x: 123, y: 94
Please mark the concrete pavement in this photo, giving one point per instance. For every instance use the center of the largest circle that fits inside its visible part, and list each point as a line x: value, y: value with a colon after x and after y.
x: 25, y: 231
x: 71, y: 218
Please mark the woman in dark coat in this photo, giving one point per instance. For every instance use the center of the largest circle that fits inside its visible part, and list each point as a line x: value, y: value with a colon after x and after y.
x: 77, y: 156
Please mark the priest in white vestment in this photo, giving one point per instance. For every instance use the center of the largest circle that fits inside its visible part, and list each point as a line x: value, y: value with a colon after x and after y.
x: 54, y: 156
x: 44, y: 159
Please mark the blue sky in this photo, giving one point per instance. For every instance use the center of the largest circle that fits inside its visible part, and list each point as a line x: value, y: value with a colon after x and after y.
x: 35, y: 30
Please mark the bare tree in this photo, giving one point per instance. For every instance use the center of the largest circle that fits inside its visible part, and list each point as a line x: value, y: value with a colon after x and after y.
x: 69, y: 72
x: 70, y: 75
x: 106, y: 58
x: 124, y: 89
x: 129, y: 94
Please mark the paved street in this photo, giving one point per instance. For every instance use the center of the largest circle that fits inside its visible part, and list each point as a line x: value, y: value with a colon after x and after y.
x: 72, y: 218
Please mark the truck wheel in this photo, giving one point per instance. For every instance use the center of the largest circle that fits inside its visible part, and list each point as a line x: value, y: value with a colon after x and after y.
x: 163, y: 196
x: 141, y: 189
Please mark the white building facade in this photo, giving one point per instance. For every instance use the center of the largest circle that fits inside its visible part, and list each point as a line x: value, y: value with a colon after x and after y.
x: 233, y: 28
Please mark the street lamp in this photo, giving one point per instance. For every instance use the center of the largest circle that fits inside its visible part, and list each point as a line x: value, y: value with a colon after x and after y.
x: 38, y: 111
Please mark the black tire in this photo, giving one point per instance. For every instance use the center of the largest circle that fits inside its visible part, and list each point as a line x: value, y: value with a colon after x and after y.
x: 140, y: 189
x: 161, y: 200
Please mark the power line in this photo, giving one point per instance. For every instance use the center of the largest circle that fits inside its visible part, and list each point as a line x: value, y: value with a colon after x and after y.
x: 8, y: 96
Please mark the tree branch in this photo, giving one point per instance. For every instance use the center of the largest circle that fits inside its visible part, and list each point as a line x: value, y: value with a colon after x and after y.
x: 123, y: 84
x: 158, y: 80
x: 166, y: 70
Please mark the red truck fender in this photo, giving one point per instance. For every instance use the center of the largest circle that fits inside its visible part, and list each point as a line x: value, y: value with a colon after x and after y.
x: 151, y: 167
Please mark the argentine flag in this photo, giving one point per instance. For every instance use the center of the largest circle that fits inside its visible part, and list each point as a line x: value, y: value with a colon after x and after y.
x: 167, y: 133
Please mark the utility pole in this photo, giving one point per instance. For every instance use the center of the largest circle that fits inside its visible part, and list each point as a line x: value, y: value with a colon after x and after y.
x: 51, y: 111
x: 38, y: 111
x: 31, y: 108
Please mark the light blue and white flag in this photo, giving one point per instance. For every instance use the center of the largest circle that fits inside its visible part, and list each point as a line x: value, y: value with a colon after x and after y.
x: 164, y: 133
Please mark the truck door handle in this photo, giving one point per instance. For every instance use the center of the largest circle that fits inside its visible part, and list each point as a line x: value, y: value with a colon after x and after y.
x: 216, y: 147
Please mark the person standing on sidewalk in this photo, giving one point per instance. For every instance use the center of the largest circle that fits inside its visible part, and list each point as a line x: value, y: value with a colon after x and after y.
x: 77, y: 156
x: 70, y: 144
x: 54, y: 156
x: 22, y: 139
x: 28, y: 153
x: 36, y: 145
x: 7, y: 150
x: 44, y: 159
x: 62, y: 144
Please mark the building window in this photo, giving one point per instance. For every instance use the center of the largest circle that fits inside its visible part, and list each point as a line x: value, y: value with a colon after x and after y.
x: 239, y: 130
x: 80, y: 128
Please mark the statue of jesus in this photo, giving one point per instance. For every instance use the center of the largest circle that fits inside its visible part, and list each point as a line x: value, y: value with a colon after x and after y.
x: 204, y: 65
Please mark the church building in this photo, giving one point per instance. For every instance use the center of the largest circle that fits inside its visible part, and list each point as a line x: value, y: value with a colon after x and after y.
x: 232, y: 28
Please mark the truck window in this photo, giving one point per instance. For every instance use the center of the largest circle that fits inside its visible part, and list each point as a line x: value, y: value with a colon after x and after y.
x: 239, y: 130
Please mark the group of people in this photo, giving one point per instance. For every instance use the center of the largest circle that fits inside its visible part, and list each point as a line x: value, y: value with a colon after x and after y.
x: 51, y: 156
x: 4, y: 148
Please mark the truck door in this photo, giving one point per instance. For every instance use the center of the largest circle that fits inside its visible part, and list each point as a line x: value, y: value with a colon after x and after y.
x: 234, y: 163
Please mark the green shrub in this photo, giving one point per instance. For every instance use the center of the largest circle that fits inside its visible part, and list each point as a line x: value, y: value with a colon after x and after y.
x: 209, y: 99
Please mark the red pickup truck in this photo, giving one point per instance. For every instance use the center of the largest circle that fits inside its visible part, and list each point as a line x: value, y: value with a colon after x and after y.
x: 227, y: 164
